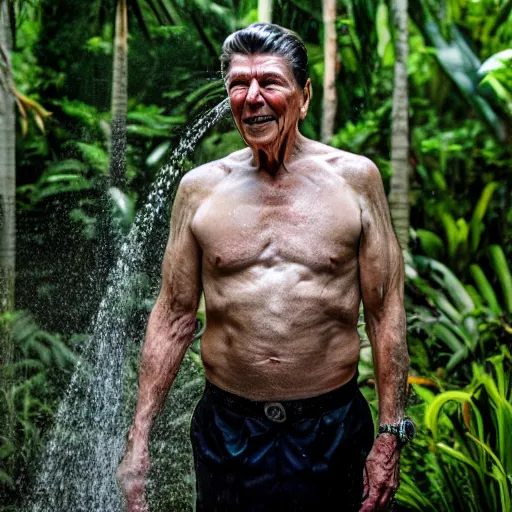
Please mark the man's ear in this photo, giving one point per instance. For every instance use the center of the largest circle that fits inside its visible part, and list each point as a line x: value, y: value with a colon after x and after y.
x: 307, y: 93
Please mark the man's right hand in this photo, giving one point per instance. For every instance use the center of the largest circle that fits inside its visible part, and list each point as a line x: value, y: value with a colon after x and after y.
x: 131, y: 476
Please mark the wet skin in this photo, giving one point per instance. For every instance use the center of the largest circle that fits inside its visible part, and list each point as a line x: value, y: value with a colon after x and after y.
x: 280, y: 275
x: 285, y: 238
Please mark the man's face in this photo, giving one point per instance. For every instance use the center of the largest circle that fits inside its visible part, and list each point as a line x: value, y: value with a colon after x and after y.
x: 265, y: 98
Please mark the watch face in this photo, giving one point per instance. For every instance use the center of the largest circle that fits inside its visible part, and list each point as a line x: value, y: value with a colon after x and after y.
x: 408, y: 430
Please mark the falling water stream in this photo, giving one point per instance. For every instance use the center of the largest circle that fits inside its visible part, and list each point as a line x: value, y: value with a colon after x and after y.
x: 87, y: 440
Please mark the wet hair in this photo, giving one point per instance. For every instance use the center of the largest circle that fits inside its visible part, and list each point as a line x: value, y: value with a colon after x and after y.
x: 271, y: 39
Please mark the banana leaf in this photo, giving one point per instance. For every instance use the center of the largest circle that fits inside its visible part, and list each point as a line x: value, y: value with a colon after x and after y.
x: 461, y: 65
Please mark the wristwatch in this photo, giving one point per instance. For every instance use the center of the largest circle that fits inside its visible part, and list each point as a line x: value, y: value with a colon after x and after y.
x: 404, y: 431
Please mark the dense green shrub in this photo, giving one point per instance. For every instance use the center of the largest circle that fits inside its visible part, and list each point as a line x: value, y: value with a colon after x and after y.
x: 460, y: 459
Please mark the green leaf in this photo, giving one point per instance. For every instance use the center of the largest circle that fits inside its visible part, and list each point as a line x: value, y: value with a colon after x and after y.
x: 501, y: 17
x: 23, y: 365
x: 203, y: 94
x: 424, y: 393
x: 489, y: 451
x: 451, y: 232
x: 6, y: 448
x: 431, y: 244
x: 153, y: 119
x: 62, y: 177
x: 499, y: 60
x: 96, y: 156
x: 457, y: 358
x: 145, y: 131
x: 385, y: 48
x: 66, y: 166
x: 6, y: 479
x: 82, y: 111
x: 500, y: 265
x: 461, y: 65
x: 485, y: 288
x: 499, y: 89
x: 439, y: 180
x: 476, y: 225
x: 470, y: 338
x: 250, y: 17
x: 449, y: 281
x: 434, y: 408
x: 446, y: 335
x: 461, y: 457
x: 98, y: 46
x: 124, y: 207
x: 156, y: 155
x: 462, y: 237
x: 475, y: 296
x: 409, y: 494
x: 64, y: 186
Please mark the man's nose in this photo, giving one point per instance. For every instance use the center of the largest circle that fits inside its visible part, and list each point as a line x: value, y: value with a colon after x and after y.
x: 253, y: 94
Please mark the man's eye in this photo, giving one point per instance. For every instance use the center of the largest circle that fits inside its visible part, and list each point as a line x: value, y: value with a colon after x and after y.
x: 237, y: 83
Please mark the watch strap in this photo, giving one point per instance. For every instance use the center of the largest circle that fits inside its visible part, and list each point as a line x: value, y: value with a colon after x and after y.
x: 403, y: 431
x: 387, y: 428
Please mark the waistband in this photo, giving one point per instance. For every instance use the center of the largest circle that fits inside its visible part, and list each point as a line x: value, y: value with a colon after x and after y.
x: 284, y: 410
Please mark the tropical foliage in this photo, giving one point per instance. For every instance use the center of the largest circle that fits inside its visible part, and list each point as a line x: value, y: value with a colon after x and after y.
x: 464, y: 454
x: 59, y: 74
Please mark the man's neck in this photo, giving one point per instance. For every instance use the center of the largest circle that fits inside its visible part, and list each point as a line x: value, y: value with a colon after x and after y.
x: 272, y: 158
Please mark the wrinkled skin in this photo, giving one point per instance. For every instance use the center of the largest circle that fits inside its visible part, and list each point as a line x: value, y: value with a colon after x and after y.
x: 263, y: 85
x: 131, y: 476
x: 382, y: 474
x: 285, y: 238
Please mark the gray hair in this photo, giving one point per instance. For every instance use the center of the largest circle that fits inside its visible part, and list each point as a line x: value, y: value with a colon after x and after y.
x: 267, y: 38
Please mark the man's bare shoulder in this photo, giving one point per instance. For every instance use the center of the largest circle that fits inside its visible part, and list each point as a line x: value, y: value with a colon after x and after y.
x: 206, y: 177
x: 357, y: 170
x: 203, y: 178
x: 199, y: 183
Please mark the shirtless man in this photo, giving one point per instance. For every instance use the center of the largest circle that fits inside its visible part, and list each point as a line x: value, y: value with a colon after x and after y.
x: 285, y: 238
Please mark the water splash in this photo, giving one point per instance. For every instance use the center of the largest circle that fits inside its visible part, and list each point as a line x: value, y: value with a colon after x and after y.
x: 86, y: 444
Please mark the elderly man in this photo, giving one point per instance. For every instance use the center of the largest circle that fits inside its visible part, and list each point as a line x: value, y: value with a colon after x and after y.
x: 285, y: 238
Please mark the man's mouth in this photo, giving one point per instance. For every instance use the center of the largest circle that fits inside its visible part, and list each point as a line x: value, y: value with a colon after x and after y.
x: 259, y: 119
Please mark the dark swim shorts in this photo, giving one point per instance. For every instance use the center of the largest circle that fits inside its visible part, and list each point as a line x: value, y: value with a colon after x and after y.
x: 295, y: 455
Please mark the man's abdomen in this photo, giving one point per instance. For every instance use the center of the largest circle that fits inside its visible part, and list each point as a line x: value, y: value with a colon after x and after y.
x: 303, y: 368
x: 283, y: 331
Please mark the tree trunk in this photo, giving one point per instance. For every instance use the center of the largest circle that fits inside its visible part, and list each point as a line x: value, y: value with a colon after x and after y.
x: 265, y: 11
x: 109, y: 230
x: 119, y: 99
x: 399, y: 192
x: 330, y: 101
x: 7, y: 196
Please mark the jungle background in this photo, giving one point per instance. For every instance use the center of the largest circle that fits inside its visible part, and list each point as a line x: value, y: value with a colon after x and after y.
x: 94, y: 97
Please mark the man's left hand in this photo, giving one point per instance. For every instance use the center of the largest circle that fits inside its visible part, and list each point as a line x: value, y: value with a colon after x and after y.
x: 381, y: 473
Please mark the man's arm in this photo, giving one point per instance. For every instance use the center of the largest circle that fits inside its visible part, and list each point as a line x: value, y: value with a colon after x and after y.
x: 381, y: 277
x: 169, y: 333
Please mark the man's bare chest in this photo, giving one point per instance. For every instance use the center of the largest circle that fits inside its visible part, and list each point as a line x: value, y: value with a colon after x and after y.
x: 311, y: 224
